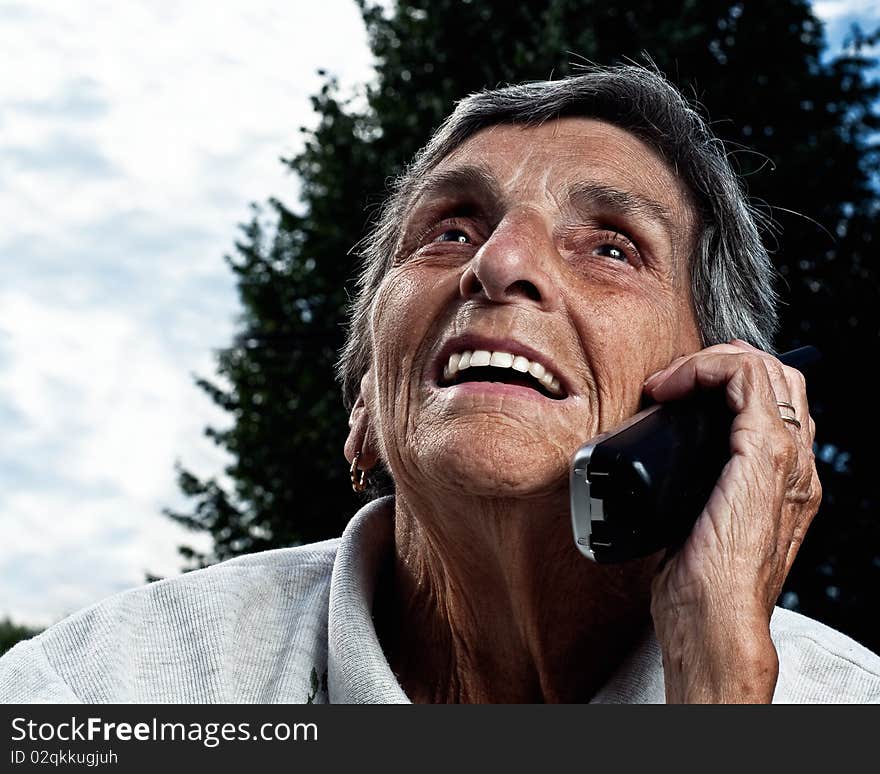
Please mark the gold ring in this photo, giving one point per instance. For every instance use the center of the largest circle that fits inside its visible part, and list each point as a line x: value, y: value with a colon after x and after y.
x: 791, y: 421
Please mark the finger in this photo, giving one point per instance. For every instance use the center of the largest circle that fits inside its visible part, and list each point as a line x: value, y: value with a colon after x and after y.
x: 797, y: 386
x: 804, y: 492
x: 733, y: 347
x: 805, y: 515
x: 744, y: 375
x: 787, y: 384
x: 786, y: 403
x: 806, y: 489
x: 804, y: 483
x: 757, y: 428
x: 660, y: 375
x: 789, y: 387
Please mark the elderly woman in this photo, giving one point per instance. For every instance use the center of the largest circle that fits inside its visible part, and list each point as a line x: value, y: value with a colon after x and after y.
x: 557, y: 254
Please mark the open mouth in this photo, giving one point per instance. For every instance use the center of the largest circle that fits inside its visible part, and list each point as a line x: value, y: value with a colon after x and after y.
x: 501, y: 367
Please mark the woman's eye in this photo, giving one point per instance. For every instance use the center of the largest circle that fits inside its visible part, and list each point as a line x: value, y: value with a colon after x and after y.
x: 453, y: 235
x: 611, y: 251
x: 617, y: 247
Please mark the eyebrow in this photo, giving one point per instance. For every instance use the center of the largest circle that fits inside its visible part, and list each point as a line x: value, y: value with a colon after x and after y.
x: 475, y: 180
x: 586, y: 197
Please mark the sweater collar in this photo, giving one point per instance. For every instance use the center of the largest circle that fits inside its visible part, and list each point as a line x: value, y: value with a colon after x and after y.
x: 357, y: 670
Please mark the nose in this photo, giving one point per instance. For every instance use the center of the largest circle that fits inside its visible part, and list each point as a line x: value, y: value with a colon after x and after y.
x: 512, y: 265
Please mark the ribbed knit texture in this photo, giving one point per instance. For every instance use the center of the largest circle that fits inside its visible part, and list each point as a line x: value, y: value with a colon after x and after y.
x: 359, y: 671
x: 295, y: 625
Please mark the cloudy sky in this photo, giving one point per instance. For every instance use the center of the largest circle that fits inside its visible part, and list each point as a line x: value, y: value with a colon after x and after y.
x: 133, y: 137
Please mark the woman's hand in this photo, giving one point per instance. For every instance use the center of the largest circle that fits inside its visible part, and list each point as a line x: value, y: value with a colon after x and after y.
x: 713, y: 598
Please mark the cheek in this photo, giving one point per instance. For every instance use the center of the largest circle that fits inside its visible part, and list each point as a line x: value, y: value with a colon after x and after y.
x: 394, y: 300
x: 627, y: 336
x: 391, y: 322
x: 410, y: 300
x: 409, y: 306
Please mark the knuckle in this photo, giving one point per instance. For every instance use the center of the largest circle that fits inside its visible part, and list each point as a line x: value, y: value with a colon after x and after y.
x: 798, y: 535
x: 785, y: 451
x: 723, y: 348
x: 753, y: 368
x: 815, y: 491
x: 753, y: 360
x: 806, y: 491
x: 777, y: 373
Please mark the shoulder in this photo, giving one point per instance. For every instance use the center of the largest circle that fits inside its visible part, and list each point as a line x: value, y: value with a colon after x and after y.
x: 253, y: 628
x: 818, y: 664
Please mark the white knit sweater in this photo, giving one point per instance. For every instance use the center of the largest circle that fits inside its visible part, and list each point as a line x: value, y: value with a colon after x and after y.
x: 295, y: 625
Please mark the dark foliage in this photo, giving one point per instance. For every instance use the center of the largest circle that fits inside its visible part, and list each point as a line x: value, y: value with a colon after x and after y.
x: 11, y: 633
x: 798, y: 128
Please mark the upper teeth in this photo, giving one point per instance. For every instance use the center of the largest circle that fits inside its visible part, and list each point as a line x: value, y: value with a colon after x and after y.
x: 459, y: 361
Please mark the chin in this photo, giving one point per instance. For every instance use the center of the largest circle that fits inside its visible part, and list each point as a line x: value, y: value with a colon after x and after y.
x: 497, y: 466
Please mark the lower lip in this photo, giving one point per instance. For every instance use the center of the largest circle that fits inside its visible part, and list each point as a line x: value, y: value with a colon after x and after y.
x: 497, y: 389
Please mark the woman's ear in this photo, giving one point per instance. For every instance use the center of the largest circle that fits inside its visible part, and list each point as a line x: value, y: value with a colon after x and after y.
x: 360, y: 433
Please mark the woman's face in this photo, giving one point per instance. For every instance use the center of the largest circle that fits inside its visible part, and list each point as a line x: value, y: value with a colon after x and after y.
x: 563, y: 250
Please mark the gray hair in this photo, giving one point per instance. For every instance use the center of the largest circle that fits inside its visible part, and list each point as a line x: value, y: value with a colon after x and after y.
x: 731, y: 274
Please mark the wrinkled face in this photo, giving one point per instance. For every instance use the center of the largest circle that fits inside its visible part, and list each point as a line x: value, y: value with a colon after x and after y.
x: 542, y: 277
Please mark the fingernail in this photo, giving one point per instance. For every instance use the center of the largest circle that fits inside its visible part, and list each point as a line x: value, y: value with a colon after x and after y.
x: 654, y: 378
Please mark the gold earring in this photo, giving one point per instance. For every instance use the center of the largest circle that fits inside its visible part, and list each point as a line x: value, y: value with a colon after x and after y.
x: 358, y: 476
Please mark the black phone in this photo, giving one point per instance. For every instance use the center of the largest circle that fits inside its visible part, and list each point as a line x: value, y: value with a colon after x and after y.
x: 640, y: 487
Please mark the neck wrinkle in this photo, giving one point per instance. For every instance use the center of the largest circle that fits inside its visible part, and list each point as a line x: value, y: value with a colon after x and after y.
x: 490, y: 602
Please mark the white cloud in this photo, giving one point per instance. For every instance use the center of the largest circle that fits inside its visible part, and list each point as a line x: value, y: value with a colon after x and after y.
x: 134, y: 136
x: 70, y: 552
x: 114, y: 402
x: 833, y: 9
x: 181, y: 83
x: 103, y: 407
x: 839, y: 17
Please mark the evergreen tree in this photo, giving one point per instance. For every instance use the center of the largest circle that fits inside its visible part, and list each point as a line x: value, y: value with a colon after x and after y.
x: 11, y: 633
x: 796, y: 127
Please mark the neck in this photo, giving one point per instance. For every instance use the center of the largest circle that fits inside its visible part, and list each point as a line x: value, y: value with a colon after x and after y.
x: 488, y: 601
